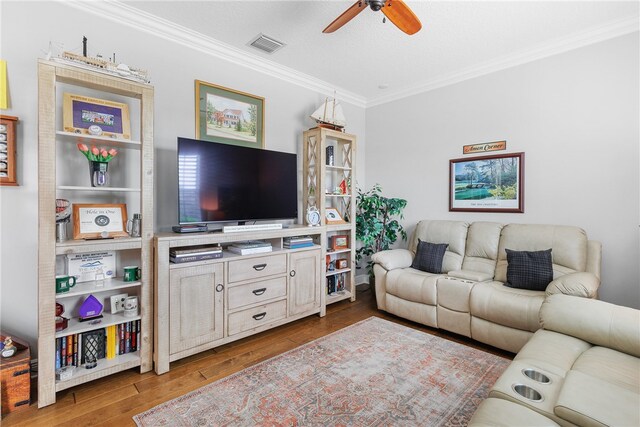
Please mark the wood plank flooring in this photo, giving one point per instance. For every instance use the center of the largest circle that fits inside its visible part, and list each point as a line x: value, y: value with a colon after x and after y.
x: 114, y: 400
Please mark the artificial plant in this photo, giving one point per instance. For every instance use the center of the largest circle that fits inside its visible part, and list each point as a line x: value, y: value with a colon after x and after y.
x: 377, y: 226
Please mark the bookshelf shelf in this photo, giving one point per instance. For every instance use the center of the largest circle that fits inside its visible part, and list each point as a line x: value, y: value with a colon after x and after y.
x: 108, y: 319
x: 336, y: 272
x: 338, y: 296
x: 98, y: 139
x: 105, y: 367
x: 86, y: 288
x: 98, y: 189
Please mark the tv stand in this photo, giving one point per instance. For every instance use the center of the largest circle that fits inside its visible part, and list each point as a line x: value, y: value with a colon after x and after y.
x: 204, y: 304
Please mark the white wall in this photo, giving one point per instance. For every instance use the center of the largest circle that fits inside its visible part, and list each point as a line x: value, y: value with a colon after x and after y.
x: 575, y: 115
x: 25, y: 36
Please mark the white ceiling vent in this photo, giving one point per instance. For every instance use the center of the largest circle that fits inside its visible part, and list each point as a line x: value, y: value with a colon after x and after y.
x: 265, y: 43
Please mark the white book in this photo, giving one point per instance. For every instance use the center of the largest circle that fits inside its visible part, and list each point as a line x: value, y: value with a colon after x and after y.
x: 250, y: 251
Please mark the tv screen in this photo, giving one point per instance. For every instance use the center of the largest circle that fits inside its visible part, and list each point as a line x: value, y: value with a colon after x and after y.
x: 227, y: 183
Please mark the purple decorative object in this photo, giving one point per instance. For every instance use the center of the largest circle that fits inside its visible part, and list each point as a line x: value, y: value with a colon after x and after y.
x: 91, y: 308
x: 86, y: 114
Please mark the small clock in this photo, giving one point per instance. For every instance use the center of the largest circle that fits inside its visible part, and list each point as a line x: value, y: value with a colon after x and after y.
x: 313, y: 216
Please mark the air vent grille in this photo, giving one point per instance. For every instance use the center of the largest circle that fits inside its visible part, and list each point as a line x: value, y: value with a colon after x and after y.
x: 266, y: 44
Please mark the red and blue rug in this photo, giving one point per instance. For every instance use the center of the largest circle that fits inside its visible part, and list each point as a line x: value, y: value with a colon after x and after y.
x: 373, y: 373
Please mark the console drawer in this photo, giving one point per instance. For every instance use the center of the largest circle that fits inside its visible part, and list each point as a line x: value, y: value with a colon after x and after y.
x: 256, y: 292
x: 255, y: 268
x: 246, y: 320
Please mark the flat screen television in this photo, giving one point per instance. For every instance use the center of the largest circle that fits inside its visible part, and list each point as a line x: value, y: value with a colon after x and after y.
x: 227, y: 183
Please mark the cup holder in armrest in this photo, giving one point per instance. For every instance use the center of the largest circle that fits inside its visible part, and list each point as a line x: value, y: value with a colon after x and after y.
x: 536, y: 375
x: 527, y: 392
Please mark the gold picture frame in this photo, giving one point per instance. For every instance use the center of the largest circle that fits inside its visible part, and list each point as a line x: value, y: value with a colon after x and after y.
x: 229, y: 116
x: 80, y: 112
x: 332, y: 216
x: 96, y: 221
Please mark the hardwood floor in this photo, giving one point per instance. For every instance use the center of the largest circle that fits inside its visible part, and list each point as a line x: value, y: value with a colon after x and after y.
x: 114, y: 400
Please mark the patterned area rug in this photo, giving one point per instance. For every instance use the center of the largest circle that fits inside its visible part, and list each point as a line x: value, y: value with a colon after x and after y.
x: 373, y: 373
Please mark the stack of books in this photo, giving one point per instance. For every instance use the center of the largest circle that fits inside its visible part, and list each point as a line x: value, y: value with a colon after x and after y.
x: 250, y: 247
x: 297, y: 242
x: 194, y: 253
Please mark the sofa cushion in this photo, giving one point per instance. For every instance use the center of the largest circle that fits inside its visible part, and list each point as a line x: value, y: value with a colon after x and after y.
x: 453, y: 233
x: 611, y: 366
x: 586, y: 400
x: 413, y: 285
x: 494, y: 412
x: 597, y: 322
x: 529, y: 269
x: 569, y: 246
x: 481, y: 253
x: 552, y: 352
x: 429, y: 257
x: 516, y: 308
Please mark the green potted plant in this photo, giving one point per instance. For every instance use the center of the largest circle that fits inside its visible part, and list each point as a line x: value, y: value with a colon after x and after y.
x: 377, y: 226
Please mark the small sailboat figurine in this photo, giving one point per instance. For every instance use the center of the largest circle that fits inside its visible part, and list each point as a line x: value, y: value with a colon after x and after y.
x: 330, y: 115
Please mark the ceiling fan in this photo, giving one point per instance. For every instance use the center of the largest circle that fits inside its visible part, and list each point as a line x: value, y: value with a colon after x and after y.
x: 396, y: 10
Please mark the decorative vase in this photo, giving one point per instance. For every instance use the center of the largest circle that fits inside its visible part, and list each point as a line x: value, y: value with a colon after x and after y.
x: 98, y: 173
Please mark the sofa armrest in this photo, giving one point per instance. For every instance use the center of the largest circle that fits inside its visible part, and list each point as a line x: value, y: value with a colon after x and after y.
x: 393, y: 258
x: 581, y: 284
x: 474, y: 276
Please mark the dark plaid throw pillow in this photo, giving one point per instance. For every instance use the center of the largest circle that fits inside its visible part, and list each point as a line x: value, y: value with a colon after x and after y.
x: 429, y: 256
x: 529, y: 270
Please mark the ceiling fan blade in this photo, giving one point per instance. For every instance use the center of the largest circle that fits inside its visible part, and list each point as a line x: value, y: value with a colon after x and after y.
x: 403, y: 17
x: 346, y: 16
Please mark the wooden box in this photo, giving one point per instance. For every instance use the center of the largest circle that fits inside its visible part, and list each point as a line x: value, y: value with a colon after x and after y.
x: 15, y: 378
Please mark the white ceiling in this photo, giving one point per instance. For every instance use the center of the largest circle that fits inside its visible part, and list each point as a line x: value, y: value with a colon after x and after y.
x: 457, y: 38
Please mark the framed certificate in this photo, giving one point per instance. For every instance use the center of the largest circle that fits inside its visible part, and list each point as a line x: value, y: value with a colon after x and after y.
x: 96, y: 221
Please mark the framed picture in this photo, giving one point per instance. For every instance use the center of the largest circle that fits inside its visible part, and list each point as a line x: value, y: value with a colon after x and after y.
x: 81, y: 112
x: 341, y: 264
x: 487, y: 184
x: 333, y: 216
x: 91, y: 221
x: 339, y: 242
x: 229, y: 116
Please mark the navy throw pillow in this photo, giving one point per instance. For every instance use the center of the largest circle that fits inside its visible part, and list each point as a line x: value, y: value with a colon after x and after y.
x: 429, y: 257
x: 529, y: 270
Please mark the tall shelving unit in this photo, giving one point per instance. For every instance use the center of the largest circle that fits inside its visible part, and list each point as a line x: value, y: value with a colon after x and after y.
x: 63, y: 173
x: 321, y: 190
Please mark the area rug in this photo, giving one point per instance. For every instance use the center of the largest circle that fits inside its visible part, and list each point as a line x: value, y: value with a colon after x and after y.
x: 372, y: 373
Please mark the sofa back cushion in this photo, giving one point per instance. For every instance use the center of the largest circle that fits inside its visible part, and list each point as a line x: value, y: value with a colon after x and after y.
x: 481, y: 253
x: 453, y: 233
x: 597, y: 322
x: 568, y: 245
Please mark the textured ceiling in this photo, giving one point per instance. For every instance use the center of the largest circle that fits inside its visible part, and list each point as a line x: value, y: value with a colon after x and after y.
x: 365, y: 53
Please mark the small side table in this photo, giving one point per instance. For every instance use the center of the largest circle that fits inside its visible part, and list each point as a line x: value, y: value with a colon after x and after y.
x: 15, y: 378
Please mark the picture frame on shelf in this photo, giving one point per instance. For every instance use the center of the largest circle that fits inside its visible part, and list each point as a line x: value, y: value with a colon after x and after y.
x: 93, y: 116
x: 332, y: 216
x: 95, y: 221
x: 229, y: 116
x: 341, y: 264
x: 340, y: 242
x: 487, y: 184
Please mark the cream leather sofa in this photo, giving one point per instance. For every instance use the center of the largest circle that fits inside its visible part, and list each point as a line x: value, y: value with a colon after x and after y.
x: 470, y: 297
x: 587, y: 360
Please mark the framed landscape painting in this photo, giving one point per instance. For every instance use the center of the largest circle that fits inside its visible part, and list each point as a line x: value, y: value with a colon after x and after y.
x: 487, y: 184
x: 229, y: 116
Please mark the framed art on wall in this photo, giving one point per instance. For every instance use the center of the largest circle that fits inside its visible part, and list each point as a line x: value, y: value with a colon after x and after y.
x: 85, y: 115
x: 95, y: 221
x: 229, y: 116
x: 487, y: 184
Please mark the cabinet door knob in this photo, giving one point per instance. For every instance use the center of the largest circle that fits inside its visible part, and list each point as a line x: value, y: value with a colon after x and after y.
x: 259, y: 316
x: 292, y: 273
x: 219, y: 287
x: 259, y: 291
x: 259, y: 267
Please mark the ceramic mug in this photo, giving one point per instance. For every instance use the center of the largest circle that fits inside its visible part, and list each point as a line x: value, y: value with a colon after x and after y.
x: 131, y: 273
x: 64, y: 283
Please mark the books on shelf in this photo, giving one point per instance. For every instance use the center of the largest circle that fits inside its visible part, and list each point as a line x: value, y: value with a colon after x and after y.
x: 250, y: 247
x: 109, y: 342
x: 297, y: 242
x: 194, y: 253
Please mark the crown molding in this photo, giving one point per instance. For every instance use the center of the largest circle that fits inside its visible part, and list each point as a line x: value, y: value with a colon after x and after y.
x: 121, y: 13
x: 584, y: 38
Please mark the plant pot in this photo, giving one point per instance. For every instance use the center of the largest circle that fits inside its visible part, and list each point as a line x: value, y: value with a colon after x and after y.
x: 98, y: 173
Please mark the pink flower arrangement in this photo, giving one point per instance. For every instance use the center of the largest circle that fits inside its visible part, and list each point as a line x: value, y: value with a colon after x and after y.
x: 96, y: 154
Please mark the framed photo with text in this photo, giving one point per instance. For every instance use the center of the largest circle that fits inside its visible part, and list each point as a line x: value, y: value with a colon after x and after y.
x: 229, y: 116
x: 95, y: 221
x: 487, y: 184
x: 81, y: 112
x: 332, y: 216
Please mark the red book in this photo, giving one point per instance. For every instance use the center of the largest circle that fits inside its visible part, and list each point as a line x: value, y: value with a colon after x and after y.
x: 75, y: 350
x: 134, y: 340
x: 121, y: 335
